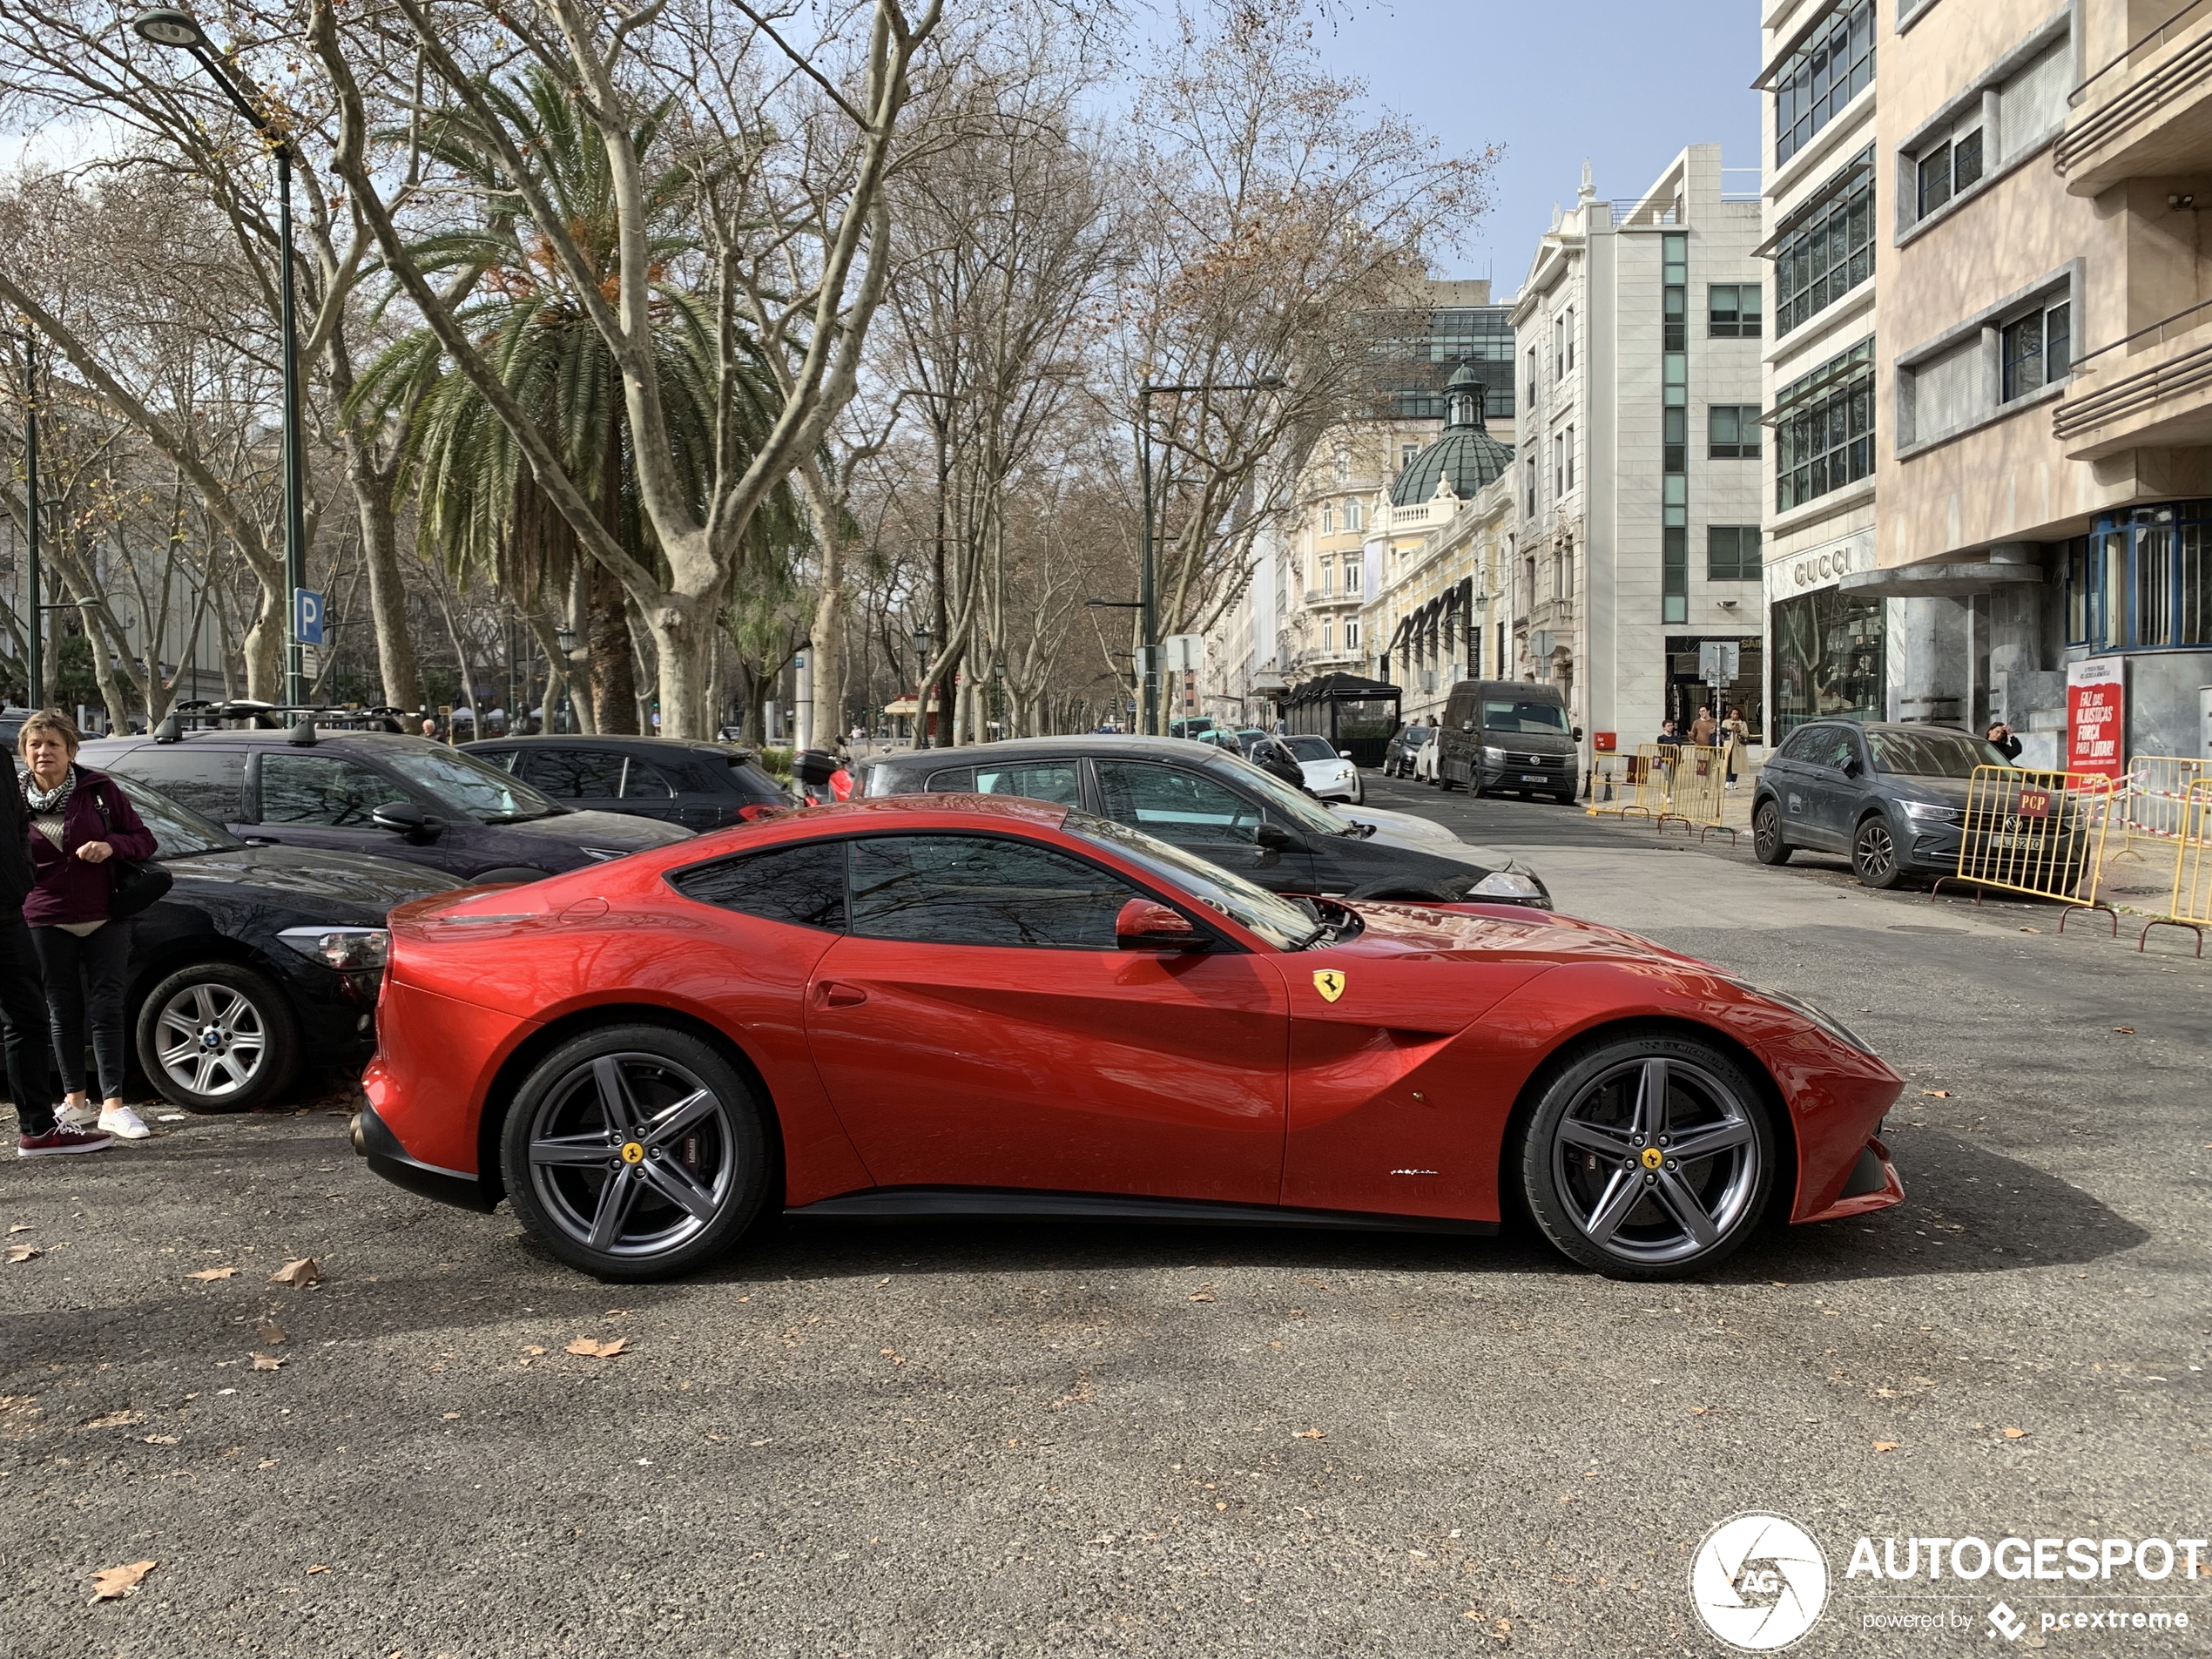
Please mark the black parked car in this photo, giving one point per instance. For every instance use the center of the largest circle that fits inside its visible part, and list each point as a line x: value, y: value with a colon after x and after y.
x: 701, y: 786
x: 1220, y: 806
x: 1891, y: 796
x: 259, y: 957
x: 379, y: 793
x: 1404, y: 748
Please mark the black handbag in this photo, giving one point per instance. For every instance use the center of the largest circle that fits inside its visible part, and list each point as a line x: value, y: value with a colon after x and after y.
x: 133, y: 885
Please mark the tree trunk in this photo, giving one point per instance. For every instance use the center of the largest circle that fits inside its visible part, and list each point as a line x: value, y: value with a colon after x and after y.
x: 387, y: 588
x: 263, y: 647
x: 614, y: 669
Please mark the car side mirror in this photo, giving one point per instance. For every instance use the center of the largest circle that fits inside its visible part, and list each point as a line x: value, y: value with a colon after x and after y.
x: 1466, y: 726
x: 1144, y: 924
x: 403, y: 818
x: 1851, y: 768
x: 1275, y: 838
x: 1578, y: 734
x: 1343, y: 754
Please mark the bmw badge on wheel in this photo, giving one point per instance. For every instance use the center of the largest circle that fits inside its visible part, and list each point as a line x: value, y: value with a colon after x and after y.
x: 1759, y: 1581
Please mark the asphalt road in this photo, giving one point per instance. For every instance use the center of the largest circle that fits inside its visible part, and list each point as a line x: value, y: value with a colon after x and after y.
x: 971, y: 1440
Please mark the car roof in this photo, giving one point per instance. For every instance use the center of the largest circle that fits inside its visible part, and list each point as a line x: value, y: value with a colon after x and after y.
x: 986, y: 808
x: 1108, y: 745
x: 611, y: 741
x: 263, y: 739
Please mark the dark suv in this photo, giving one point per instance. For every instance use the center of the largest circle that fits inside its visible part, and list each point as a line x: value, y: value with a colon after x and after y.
x: 1893, y: 797
x: 1220, y: 806
x: 377, y: 792
x: 699, y: 785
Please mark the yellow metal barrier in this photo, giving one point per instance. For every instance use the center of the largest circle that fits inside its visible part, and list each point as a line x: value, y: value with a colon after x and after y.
x: 2158, y: 787
x: 2041, y: 833
x: 1695, y: 796
x: 2191, y: 904
x: 1620, y: 785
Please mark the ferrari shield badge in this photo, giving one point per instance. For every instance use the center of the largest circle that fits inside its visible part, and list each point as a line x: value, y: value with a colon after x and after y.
x: 1330, y: 982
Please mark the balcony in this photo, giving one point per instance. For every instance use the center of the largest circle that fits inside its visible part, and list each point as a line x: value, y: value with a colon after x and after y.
x: 2146, y: 113
x: 1316, y: 598
x: 2158, y: 395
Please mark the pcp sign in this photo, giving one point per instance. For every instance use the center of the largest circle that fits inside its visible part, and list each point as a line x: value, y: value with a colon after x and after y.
x: 2095, y: 718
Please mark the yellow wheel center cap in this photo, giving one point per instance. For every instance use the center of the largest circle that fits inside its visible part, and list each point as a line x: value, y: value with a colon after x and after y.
x: 633, y: 1153
x: 1653, y: 1157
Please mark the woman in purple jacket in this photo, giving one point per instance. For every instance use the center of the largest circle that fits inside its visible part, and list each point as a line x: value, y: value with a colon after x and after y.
x: 82, y: 951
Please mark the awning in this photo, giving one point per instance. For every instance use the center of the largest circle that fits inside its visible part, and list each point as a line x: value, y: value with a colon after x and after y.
x: 1961, y: 580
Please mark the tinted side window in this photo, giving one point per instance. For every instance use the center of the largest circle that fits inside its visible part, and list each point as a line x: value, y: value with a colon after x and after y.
x: 1173, y: 805
x: 975, y: 890
x: 1052, y: 780
x: 503, y: 759
x: 1838, y: 748
x: 317, y: 789
x: 803, y: 886
x: 953, y: 780
x: 574, y: 774
x: 644, y: 781
x: 210, y: 781
x: 1799, y: 745
x: 753, y: 784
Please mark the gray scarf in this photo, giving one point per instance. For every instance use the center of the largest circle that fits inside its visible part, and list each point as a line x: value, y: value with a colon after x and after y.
x: 49, y: 803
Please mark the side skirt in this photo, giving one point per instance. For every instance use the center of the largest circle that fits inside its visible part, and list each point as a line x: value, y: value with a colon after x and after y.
x: 921, y: 1203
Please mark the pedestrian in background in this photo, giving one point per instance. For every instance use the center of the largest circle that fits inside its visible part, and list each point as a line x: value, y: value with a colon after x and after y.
x: 1669, y: 738
x: 79, y: 821
x: 1702, y: 728
x: 23, y: 1018
x: 2001, y: 738
x: 1736, y: 735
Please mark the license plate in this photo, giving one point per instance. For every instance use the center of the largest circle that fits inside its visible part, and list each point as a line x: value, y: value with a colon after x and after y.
x: 1533, y: 777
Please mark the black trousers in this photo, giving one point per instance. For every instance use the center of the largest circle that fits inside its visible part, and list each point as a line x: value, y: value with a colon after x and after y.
x: 26, y: 1026
x: 84, y: 983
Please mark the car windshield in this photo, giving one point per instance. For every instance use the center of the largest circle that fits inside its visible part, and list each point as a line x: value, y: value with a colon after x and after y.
x: 1283, y: 801
x: 1512, y: 714
x: 1933, y: 752
x: 466, y: 784
x: 1282, y: 924
x: 1311, y: 748
x: 178, y: 832
x: 1417, y: 736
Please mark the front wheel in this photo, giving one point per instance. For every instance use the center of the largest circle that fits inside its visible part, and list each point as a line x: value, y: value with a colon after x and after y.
x: 1649, y: 1158
x: 1767, y: 845
x: 1873, y: 854
x: 218, y: 1037
x: 636, y: 1152
x: 1358, y: 792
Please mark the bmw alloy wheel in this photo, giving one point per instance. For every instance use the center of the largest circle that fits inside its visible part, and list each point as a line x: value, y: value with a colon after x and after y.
x: 1650, y: 1158
x: 217, y: 1037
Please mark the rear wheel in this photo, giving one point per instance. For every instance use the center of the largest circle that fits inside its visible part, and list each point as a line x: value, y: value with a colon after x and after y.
x: 218, y: 1037
x: 1649, y: 1158
x: 1873, y: 854
x: 636, y: 1152
x: 1767, y: 844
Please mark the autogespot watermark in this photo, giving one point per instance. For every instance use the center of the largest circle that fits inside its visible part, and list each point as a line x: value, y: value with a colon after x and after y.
x: 1759, y: 1581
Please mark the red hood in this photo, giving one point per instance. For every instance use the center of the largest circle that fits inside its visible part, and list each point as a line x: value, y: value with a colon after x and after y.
x: 1499, y: 933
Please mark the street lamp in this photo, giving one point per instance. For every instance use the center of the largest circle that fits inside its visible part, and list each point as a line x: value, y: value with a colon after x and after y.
x: 1148, y: 663
x: 179, y: 31
x: 35, y: 626
x: 923, y: 639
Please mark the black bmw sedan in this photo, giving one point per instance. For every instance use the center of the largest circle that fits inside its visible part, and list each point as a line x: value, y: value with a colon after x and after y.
x: 699, y: 785
x: 259, y: 958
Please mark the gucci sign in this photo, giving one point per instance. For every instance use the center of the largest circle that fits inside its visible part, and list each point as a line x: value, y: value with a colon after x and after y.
x: 1822, y: 567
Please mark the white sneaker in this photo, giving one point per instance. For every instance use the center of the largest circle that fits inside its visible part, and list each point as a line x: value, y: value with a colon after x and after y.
x: 123, y: 1123
x: 84, y: 1115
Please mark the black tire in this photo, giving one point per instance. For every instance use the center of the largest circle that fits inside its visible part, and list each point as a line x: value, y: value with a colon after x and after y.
x: 1597, y: 1166
x: 1566, y: 799
x: 1873, y: 854
x: 1767, y: 845
x: 218, y: 1037
x: 590, y: 1124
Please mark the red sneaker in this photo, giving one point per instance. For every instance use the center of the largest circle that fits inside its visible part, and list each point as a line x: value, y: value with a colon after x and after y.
x: 60, y: 1139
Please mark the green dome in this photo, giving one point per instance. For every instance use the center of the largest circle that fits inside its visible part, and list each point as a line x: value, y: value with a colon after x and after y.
x: 1466, y: 456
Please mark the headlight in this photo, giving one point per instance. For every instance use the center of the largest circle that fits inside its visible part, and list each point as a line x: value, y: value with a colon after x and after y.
x: 1827, y: 1021
x: 1506, y: 883
x: 1929, y: 812
x: 1495, y: 757
x: 350, y: 950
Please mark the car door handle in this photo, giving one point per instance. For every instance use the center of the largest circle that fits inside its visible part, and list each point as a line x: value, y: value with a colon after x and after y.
x: 830, y: 994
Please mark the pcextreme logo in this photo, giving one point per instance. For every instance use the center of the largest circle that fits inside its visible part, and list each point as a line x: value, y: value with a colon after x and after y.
x: 1758, y: 1582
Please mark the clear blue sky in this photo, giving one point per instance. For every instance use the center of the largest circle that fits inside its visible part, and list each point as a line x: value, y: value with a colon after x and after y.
x: 1626, y: 83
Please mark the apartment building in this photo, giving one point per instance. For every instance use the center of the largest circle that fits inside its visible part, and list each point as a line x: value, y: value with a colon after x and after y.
x: 1638, y: 332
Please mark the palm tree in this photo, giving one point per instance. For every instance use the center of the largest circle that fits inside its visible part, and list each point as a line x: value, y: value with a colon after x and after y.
x: 479, y: 510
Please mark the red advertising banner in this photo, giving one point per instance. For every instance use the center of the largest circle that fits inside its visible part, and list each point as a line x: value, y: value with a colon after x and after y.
x: 2095, y: 723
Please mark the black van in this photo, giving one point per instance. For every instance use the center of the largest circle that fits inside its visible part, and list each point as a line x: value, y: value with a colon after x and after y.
x: 1510, y: 735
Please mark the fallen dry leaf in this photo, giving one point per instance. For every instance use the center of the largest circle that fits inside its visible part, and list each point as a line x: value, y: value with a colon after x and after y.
x: 450, y: 1417
x: 1699, y: 1411
x: 306, y: 1271
x: 20, y: 1227
x: 2125, y: 1030
x: 1309, y: 1435
x: 119, y: 1581
x: 591, y: 1350
x: 1885, y: 1446
x: 319, y: 1567
x: 24, y: 1253
x: 1937, y: 1094
x: 214, y: 1272
x: 121, y: 1418
x: 534, y: 1352
x: 158, y: 1439
x: 267, y: 1362
x: 1202, y: 1296
x: 271, y: 1333
x: 2015, y: 1434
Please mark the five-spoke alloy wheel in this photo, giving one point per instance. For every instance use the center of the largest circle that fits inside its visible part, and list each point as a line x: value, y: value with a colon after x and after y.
x: 217, y: 1037
x: 1648, y: 1157
x: 636, y: 1152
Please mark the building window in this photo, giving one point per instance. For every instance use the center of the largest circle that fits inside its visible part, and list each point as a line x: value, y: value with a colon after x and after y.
x: 1406, y: 454
x: 1559, y: 464
x: 1353, y: 516
x: 1732, y: 431
x: 1352, y: 574
x: 1734, y: 310
x: 1674, y: 591
x: 1344, y: 466
x: 2038, y: 349
x: 1732, y: 553
x: 1532, y: 379
x: 1328, y: 636
x: 1833, y: 66
x: 1570, y: 436
x: 1563, y: 344
x: 1328, y: 575
x: 1830, y: 250
x: 2140, y: 582
x: 1828, y: 647
x: 1824, y: 429
x: 1329, y: 518
x: 1674, y: 440
x: 1351, y: 633
x: 1530, y: 468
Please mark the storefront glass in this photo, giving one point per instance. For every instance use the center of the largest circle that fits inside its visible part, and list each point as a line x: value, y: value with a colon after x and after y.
x: 1827, y: 659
